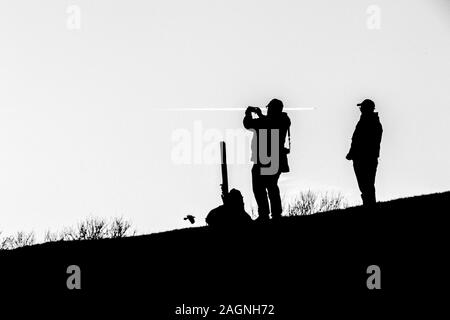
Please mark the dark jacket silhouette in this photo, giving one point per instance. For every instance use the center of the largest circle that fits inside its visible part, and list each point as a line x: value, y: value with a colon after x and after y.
x: 231, y: 213
x: 269, y: 155
x: 365, y: 151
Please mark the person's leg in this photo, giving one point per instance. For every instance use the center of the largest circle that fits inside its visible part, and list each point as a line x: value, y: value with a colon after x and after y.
x: 365, y: 172
x: 274, y: 196
x: 371, y: 174
x: 259, y: 190
x: 359, y: 173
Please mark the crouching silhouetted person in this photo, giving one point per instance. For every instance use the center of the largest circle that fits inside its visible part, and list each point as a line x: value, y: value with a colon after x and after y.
x: 231, y: 213
x: 365, y: 150
x: 269, y: 156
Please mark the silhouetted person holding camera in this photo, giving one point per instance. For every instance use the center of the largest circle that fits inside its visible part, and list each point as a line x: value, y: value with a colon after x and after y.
x: 365, y: 150
x: 269, y: 156
x: 231, y: 213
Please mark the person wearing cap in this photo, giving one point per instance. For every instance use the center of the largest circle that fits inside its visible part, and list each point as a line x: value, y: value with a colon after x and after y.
x: 365, y: 151
x: 269, y: 156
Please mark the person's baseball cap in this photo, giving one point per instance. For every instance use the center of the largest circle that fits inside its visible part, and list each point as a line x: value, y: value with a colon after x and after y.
x: 276, y: 105
x: 367, y: 103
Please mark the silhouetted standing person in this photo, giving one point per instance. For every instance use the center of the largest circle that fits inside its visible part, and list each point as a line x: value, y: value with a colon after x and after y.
x: 269, y: 156
x: 365, y: 151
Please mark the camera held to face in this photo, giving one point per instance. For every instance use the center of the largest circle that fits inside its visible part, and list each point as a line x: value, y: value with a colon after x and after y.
x: 252, y: 109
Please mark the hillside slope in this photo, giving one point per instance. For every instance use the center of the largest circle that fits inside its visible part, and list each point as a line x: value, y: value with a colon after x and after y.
x: 301, y: 260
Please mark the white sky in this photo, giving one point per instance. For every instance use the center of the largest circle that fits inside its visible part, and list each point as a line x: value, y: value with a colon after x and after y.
x: 83, y: 130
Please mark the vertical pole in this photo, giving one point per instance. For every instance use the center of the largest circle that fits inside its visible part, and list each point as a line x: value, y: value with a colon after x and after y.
x: 223, y: 156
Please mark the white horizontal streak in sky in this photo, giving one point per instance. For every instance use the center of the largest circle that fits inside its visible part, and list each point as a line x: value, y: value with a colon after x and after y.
x: 229, y: 109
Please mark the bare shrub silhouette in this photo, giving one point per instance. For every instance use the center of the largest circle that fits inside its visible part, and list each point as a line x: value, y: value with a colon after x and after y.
x: 92, y: 228
x: 20, y: 239
x: 310, y: 202
x: 51, y: 236
x: 330, y: 201
x: 89, y: 229
x: 120, y: 228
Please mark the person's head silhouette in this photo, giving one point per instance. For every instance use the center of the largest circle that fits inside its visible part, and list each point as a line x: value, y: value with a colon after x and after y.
x: 234, y: 199
x: 274, y: 108
x: 367, y: 106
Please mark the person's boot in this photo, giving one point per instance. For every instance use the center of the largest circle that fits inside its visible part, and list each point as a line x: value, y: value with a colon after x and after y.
x: 276, y: 217
x: 262, y: 218
x: 364, y: 200
x: 369, y: 201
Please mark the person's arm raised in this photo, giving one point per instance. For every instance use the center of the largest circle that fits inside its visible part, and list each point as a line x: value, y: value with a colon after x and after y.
x: 249, y: 122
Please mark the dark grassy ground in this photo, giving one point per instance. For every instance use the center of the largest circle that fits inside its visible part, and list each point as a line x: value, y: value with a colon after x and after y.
x: 302, y: 264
